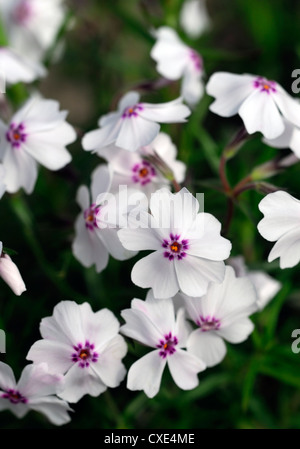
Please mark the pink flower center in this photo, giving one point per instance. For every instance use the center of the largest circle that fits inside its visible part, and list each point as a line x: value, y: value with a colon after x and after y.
x: 16, y: 134
x: 14, y: 397
x: 167, y: 345
x: 84, y: 354
x: 131, y: 111
x: 265, y: 85
x: 208, y: 323
x: 175, y: 247
x: 143, y: 172
x: 22, y: 13
x: 197, y: 60
x: 90, y: 215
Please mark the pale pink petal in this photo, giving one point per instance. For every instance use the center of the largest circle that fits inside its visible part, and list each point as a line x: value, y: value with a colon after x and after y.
x: 36, y: 381
x: 170, y: 112
x: 289, y: 106
x: 159, y: 311
x: 7, y: 377
x: 83, y: 197
x: 11, y: 275
x: 140, y: 327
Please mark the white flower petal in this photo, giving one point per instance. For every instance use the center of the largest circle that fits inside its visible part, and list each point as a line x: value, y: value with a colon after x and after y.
x: 194, y: 274
x: 288, y: 249
x: 55, y: 353
x: 136, y: 132
x: 170, y: 112
x: 238, y: 331
x: 260, y: 113
x: 140, y: 327
x: 289, y: 106
x: 184, y: 368
x: 230, y: 91
x: 208, y: 346
x: 282, y: 215
x: 79, y: 382
x: 109, y: 367
x: 37, y: 381
x: 157, y: 272
x: 7, y: 377
x: 146, y: 374
x: 56, y: 410
x: 83, y: 197
x: 20, y: 171
x: 11, y: 275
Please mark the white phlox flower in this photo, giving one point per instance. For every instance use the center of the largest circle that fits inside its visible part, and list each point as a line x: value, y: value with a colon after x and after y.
x: 153, y: 323
x: 15, y: 68
x: 188, y: 248
x: 32, y: 25
x: 194, y: 18
x: 262, y: 104
x: 177, y: 60
x: 37, y: 133
x: 83, y: 345
x: 35, y: 390
x: 222, y: 314
x: 147, y: 169
x: 266, y: 287
x: 10, y: 273
x: 95, y: 239
x: 135, y: 124
x: 281, y: 225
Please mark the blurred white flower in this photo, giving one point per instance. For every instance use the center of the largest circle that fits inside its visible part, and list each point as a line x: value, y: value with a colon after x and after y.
x: 222, y: 314
x: 281, y: 225
x: 15, y: 67
x: 148, y: 169
x: 32, y: 25
x: 37, y: 132
x: 177, y: 60
x: 83, y: 345
x: 35, y: 390
x: 10, y: 273
x: 266, y: 287
x: 262, y: 104
x: 153, y: 323
x: 188, y: 248
x: 92, y: 244
x: 194, y: 18
x: 135, y: 124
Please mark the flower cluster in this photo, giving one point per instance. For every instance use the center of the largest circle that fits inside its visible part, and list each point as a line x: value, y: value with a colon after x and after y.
x: 199, y: 299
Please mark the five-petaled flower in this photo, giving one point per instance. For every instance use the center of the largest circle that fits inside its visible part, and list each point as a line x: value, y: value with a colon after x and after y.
x: 261, y: 103
x: 84, y: 346
x: 177, y: 60
x: 221, y: 314
x: 92, y: 244
x: 36, y: 390
x: 188, y: 248
x: 153, y: 323
x: 135, y: 124
x: 37, y: 132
